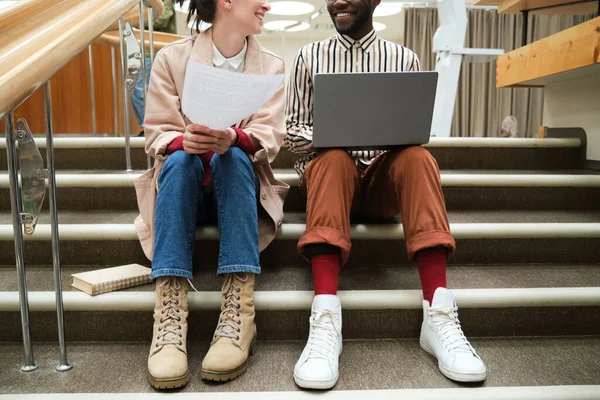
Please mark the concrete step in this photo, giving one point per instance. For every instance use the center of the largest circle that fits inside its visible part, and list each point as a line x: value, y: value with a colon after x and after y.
x: 105, y: 238
x: 463, y: 190
x: 298, y: 277
x: 566, y: 392
x: 518, y: 368
x: 378, y: 302
x: 85, y: 152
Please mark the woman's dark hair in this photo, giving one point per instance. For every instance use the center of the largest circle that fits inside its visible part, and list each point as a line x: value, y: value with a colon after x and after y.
x: 201, y: 11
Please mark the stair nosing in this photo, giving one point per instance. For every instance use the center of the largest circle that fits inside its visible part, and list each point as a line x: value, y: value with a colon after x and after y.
x: 301, y: 300
x: 554, y: 230
x: 78, y: 142
x: 290, y: 177
x: 562, y: 392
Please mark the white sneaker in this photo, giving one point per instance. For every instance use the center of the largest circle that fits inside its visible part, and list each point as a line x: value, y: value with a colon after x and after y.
x: 443, y: 338
x: 317, y: 367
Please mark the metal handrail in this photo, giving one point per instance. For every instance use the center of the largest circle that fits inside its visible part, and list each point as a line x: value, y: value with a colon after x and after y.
x: 38, y: 38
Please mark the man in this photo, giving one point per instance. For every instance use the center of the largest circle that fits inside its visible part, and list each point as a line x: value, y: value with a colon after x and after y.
x: 167, y: 23
x: 377, y: 184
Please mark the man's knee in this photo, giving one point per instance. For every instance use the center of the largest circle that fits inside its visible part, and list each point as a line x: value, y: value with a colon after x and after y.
x: 330, y: 161
x: 336, y: 157
x: 416, y: 156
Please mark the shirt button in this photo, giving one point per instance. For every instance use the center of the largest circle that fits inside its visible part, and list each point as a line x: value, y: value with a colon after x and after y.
x: 264, y: 196
x: 279, y: 224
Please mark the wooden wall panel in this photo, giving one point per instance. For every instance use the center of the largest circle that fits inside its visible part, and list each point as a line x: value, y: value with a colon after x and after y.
x: 71, y: 104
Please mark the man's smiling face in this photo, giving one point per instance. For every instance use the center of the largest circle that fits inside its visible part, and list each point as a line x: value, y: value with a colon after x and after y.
x: 352, y: 18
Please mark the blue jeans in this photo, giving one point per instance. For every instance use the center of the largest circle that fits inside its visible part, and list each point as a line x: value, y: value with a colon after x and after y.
x: 137, y: 96
x: 182, y: 202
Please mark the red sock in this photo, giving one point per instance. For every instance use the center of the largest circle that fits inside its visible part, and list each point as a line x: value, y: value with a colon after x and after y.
x: 326, y: 271
x: 432, y: 270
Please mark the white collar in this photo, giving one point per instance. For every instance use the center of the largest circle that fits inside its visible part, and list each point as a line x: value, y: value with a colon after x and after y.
x: 235, y: 61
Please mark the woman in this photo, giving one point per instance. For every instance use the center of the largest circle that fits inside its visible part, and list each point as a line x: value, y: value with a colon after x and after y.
x: 202, y: 174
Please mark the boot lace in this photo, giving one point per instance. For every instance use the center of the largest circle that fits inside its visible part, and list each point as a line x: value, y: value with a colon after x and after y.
x: 170, y: 327
x: 323, y: 336
x: 229, y: 320
x: 446, y: 324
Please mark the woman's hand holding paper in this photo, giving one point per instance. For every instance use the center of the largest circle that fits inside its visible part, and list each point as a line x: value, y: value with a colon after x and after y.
x: 199, y: 139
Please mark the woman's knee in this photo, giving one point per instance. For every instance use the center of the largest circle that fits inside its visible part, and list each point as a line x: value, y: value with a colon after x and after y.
x: 181, y: 159
x: 234, y: 159
x: 183, y: 165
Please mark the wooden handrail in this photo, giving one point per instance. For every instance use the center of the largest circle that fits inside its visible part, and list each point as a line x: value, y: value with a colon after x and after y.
x: 42, y: 38
x: 161, y: 39
x: 15, y: 14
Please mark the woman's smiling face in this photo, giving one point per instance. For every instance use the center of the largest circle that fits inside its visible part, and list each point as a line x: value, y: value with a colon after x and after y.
x: 248, y: 15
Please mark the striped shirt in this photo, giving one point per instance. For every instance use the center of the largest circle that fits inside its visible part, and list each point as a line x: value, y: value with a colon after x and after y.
x: 339, y: 53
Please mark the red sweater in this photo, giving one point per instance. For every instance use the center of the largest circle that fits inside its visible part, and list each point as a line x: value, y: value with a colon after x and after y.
x: 244, y: 142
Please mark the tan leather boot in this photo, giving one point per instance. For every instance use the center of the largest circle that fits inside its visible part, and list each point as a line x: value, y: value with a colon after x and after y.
x: 167, y: 362
x: 235, y: 336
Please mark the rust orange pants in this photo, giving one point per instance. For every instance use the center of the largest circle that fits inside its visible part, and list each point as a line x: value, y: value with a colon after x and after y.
x: 405, y: 181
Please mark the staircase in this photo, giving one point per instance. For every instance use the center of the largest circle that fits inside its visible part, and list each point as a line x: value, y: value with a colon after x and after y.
x: 526, y: 276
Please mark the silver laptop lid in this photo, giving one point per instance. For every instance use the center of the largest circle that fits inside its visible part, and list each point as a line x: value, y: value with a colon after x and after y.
x: 375, y: 110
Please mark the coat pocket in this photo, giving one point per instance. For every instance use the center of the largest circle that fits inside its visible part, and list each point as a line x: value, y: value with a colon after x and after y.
x: 145, y: 236
x: 146, y: 194
x: 281, y: 189
x: 145, y: 190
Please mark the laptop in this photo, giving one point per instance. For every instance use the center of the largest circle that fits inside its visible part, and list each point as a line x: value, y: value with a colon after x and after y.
x: 374, y: 110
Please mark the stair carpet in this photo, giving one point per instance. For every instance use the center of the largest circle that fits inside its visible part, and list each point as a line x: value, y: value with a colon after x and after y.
x: 526, y: 277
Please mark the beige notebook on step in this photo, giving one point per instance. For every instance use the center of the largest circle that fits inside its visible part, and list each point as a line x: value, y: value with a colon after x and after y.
x: 111, y: 279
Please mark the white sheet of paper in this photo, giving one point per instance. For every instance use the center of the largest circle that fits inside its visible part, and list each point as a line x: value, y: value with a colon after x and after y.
x: 218, y: 98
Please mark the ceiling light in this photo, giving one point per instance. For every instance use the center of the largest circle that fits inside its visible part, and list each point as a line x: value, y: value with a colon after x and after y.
x: 278, y: 25
x: 387, y: 9
x: 301, y: 27
x: 291, y: 8
x: 379, y: 26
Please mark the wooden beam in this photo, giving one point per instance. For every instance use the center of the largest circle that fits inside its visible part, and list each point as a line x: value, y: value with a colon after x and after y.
x: 516, y: 6
x: 573, y: 9
x: 571, y: 49
x: 485, y: 3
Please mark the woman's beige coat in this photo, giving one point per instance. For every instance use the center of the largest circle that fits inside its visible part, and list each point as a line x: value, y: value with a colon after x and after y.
x: 165, y: 121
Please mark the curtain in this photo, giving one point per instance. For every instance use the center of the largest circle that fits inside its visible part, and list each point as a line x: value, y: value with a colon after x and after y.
x: 480, y: 107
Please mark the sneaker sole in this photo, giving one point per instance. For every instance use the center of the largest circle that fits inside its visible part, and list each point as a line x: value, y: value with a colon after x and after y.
x: 320, y: 385
x: 169, y: 383
x: 448, y: 373
x: 226, y: 376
